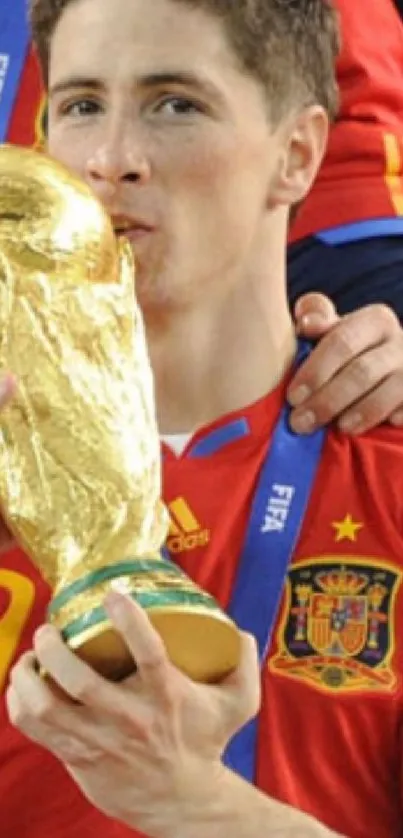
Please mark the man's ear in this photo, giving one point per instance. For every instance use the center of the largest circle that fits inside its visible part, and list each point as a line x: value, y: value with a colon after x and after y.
x: 303, y: 142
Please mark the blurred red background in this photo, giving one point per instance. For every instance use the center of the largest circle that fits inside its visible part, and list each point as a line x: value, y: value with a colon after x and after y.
x: 29, y: 115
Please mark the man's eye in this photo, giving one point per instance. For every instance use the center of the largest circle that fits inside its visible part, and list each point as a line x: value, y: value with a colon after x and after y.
x: 178, y: 105
x: 83, y: 107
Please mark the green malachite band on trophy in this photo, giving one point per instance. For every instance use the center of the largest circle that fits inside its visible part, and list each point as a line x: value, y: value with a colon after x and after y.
x: 154, y: 599
x: 135, y: 567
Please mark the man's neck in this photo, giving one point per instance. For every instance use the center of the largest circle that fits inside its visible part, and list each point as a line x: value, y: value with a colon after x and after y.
x: 212, y: 360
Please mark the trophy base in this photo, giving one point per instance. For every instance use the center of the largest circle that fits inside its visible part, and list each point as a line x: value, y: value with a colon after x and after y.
x: 204, y: 646
x: 200, y: 639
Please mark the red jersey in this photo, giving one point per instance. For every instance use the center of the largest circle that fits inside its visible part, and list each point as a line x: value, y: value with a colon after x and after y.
x: 331, y: 719
x: 361, y: 177
x: 38, y: 797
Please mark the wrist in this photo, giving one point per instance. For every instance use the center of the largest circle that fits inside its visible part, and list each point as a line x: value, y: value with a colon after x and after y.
x: 199, y: 791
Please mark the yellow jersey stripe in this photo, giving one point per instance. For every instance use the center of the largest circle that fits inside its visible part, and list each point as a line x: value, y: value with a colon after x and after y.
x: 393, y: 177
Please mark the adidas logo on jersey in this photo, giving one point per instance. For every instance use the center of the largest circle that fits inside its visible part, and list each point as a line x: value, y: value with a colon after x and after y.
x: 185, y: 532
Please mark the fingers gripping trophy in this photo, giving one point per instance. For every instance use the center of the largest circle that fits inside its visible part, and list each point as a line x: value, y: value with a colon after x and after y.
x: 79, y: 449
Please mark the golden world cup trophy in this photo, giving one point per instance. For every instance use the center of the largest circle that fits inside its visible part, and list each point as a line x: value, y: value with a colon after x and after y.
x: 80, y: 477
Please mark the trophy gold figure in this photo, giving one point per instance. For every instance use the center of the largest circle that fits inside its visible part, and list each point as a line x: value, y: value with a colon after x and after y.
x: 79, y: 446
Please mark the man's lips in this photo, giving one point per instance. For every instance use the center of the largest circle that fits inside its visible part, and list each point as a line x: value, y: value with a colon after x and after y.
x: 134, y: 233
x: 132, y: 229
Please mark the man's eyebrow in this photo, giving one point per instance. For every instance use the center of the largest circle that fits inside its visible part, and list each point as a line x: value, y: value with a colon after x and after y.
x: 182, y: 78
x: 76, y: 83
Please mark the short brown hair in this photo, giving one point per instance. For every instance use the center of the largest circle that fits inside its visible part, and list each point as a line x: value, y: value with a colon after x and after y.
x: 290, y: 46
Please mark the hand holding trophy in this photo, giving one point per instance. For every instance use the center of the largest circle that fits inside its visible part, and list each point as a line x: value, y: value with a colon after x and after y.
x: 79, y: 446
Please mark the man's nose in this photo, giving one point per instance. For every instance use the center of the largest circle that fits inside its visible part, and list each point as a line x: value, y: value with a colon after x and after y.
x: 116, y: 163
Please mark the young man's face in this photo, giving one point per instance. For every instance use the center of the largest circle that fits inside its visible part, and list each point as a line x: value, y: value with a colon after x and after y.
x: 148, y: 104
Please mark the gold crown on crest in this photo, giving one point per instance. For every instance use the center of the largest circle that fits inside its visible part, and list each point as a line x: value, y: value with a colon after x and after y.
x: 343, y: 581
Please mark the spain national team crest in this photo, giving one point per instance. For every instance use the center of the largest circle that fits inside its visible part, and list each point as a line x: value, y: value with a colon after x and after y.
x: 338, y: 626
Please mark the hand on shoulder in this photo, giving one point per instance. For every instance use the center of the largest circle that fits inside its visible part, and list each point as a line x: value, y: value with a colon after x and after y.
x: 355, y: 372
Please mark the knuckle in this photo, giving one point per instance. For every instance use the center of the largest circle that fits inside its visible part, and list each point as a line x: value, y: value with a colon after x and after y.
x: 171, y: 698
x: 79, y: 754
x: 327, y: 405
x: 327, y: 402
x: 371, y: 414
x: 343, y: 339
x: 130, y: 724
x: 361, y: 372
x: 84, y: 690
x: 39, y: 713
x: 155, y: 730
x: 44, y: 709
x: 376, y: 407
x: 152, y: 663
x: 154, y: 666
x: 148, y: 729
x: 386, y: 316
x: 134, y: 719
x: 381, y: 403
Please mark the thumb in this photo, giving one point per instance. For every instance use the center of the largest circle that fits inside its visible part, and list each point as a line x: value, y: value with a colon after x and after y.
x: 242, y: 687
x: 315, y: 315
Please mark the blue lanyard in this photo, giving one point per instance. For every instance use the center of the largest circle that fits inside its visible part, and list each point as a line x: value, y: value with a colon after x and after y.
x: 278, y: 511
x: 14, y: 42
